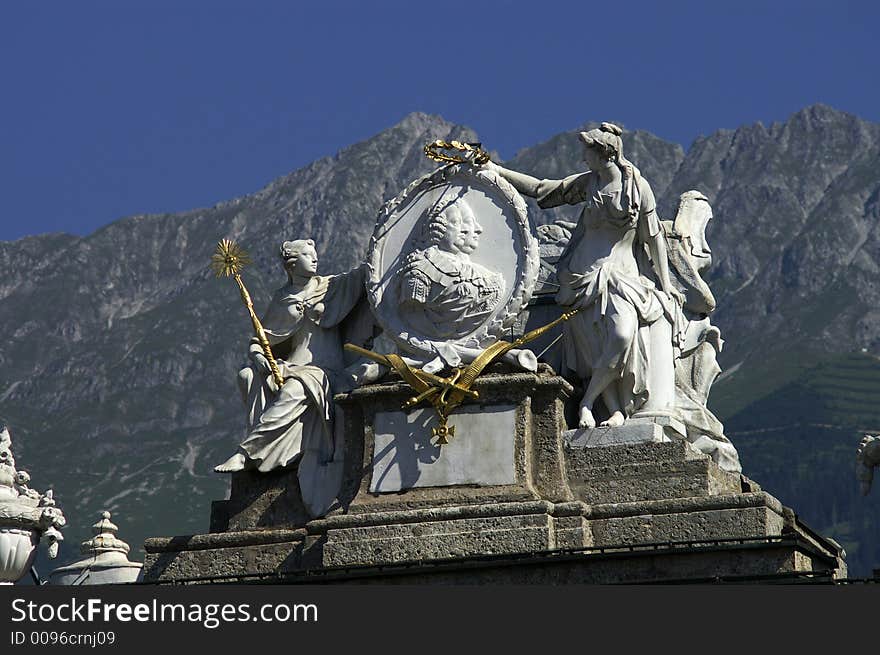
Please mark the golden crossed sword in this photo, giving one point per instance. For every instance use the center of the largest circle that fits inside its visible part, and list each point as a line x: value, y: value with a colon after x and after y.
x: 447, y: 393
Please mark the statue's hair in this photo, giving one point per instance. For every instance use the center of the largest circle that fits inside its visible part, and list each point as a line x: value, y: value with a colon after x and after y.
x: 438, y: 218
x: 289, y: 250
x: 438, y: 224
x: 606, y: 139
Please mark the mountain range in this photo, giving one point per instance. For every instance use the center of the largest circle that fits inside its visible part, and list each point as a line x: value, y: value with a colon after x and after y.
x: 117, y: 374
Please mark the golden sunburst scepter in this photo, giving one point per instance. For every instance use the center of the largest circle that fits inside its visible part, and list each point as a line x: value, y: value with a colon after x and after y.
x: 229, y: 260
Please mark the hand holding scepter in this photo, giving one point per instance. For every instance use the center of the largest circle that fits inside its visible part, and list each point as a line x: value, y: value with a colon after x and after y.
x: 228, y: 261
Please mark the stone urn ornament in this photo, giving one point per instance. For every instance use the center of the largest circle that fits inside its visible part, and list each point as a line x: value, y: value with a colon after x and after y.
x: 26, y: 518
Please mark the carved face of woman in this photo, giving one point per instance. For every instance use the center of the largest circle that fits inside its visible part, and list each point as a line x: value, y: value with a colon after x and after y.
x: 305, y: 264
x: 594, y: 158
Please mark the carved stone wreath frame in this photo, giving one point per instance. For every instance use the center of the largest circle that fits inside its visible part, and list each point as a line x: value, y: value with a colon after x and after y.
x: 525, y: 246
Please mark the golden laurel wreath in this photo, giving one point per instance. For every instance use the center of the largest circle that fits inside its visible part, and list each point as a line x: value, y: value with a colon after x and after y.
x: 477, y: 156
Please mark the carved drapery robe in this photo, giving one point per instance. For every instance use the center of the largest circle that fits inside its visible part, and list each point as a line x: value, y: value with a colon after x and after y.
x: 303, y: 328
x: 446, y: 296
x: 612, y: 290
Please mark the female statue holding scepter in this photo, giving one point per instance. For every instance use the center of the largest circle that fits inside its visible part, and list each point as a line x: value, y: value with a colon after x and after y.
x: 615, y: 271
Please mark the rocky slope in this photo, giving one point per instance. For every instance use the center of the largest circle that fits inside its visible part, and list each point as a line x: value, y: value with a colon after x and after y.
x: 117, y: 371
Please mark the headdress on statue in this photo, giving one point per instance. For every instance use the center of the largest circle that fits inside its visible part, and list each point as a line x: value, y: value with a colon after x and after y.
x: 606, y: 139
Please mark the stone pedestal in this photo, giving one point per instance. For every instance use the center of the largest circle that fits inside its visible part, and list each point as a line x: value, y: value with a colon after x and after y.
x: 514, y: 497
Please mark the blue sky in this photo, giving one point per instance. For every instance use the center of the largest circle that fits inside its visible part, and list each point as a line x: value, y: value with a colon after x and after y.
x: 115, y: 108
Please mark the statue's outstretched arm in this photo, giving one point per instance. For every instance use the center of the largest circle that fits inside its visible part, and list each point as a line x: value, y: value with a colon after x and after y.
x: 525, y: 184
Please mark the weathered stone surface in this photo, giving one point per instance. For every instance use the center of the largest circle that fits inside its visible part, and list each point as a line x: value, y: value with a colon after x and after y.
x: 458, y: 534
x: 222, y: 562
x: 783, y: 560
x: 260, y: 500
x: 481, y: 453
x: 631, y: 500
x: 619, y: 455
x: 697, y: 525
x: 651, y: 481
x: 573, y: 532
x: 534, y: 440
x: 634, y: 431
x: 439, y: 539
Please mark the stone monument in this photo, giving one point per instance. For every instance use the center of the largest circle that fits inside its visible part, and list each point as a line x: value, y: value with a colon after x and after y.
x: 458, y: 454
x: 26, y: 518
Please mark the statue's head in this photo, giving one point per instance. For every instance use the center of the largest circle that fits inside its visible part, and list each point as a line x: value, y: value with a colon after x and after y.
x: 694, y: 213
x: 300, y: 258
x: 453, y: 227
x: 602, y: 144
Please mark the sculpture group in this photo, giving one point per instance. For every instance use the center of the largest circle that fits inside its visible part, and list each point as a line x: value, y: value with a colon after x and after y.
x: 451, y: 268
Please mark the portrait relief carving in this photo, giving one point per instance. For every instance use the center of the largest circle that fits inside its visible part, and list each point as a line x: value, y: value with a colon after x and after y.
x: 453, y: 261
x: 443, y: 293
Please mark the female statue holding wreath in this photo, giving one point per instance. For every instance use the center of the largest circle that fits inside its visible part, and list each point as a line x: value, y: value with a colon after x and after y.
x: 616, y: 273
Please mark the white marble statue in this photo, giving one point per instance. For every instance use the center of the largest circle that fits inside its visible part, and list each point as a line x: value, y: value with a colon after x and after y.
x: 867, y: 459
x: 616, y: 272
x: 304, y: 327
x: 443, y: 293
x: 699, y: 342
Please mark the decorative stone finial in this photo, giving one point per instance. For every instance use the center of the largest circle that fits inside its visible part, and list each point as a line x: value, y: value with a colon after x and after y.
x: 105, y: 559
x: 104, y: 539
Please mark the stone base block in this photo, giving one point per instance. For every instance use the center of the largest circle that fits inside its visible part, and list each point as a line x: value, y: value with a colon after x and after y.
x: 453, y: 532
x: 439, y: 539
x: 645, y: 471
x: 698, y: 519
x: 655, y: 429
x: 781, y: 560
x: 654, y: 481
x: 354, y: 540
x: 215, y: 557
